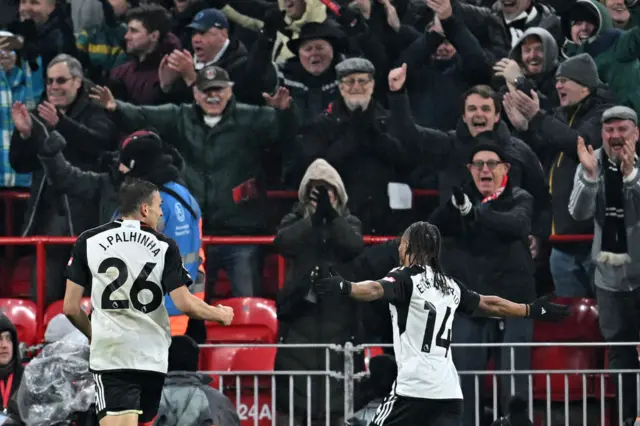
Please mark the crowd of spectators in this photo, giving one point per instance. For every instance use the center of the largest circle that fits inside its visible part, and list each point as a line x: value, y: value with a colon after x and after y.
x: 521, y: 113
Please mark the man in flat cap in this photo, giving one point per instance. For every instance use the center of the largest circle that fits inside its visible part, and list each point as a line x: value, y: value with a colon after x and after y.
x: 352, y: 136
x: 606, y: 189
x: 222, y: 142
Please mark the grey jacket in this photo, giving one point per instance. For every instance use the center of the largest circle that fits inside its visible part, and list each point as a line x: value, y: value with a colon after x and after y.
x: 188, y: 400
x: 587, y: 201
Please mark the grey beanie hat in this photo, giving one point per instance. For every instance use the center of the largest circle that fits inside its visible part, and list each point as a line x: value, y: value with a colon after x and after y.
x: 354, y: 65
x: 581, y: 69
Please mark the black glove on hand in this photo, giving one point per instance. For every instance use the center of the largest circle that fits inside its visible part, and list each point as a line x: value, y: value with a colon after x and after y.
x: 458, y: 195
x: 543, y: 309
x: 324, y: 204
x: 331, y: 286
x: 273, y: 21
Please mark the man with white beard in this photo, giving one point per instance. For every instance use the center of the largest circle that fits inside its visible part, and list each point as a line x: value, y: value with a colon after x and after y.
x: 222, y: 142
x: 352, y: 135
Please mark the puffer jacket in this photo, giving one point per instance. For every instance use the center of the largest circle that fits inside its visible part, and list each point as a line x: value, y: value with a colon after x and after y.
x: 544, y: 82
x: 305, y: 317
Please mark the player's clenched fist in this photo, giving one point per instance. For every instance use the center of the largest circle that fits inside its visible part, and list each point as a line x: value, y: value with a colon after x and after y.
x: 225, y: 314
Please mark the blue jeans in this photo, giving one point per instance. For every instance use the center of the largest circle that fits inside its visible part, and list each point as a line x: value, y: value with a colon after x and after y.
x: 572, y: 271
x: 243, y: 264
x: 489, y: 330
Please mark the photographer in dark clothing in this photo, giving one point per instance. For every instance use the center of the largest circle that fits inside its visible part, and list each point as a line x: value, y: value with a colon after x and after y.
x: 485, y: 227
x: 318, y: 234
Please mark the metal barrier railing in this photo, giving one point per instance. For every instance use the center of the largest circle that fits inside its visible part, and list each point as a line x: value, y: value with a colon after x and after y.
x: 589, y: 400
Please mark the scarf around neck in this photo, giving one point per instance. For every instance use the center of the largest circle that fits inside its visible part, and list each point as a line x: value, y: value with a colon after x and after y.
x: 614, y: 232
x: 498, y: 192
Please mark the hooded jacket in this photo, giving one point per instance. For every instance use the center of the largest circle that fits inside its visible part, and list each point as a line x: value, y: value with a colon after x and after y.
x: 615, y: 52
x: 544, y: 82
x: 15, y: 368
x: 305, y: 317
x: 540, y: 15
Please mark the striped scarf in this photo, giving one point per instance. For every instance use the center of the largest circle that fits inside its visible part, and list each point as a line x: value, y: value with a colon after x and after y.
x: 614, y: 232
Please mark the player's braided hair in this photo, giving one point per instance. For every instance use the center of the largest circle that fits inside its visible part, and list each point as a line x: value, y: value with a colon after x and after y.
x: 423, y: 248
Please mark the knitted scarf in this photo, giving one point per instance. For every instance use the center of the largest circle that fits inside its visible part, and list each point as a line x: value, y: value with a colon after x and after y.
x: 614, y: 232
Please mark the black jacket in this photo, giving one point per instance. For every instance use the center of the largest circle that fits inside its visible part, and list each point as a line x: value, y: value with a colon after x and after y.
x: 554, y: 137
x: 56, y: 35
x: 306, y: 318
x: 436, y: 87
x: 448, y: 153
x: 89, y: 132
x: 488, y: 249
x: 357, y: 144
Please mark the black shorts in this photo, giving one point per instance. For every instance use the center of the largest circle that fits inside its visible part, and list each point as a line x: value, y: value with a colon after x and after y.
x: 128, y: 392
x: 398, y: 410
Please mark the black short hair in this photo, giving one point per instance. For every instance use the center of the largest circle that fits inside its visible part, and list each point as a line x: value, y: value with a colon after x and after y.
x: 485, y: 92
x: 134, y: 192
x: 153, y: 18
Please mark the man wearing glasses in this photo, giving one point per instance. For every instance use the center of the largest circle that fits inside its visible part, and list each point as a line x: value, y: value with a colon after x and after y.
x: 352, y: 136
x: 89, y: 132
x: 485, y: 227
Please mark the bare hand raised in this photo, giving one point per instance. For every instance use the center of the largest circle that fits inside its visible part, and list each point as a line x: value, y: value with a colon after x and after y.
x: 588, y: 159
x: 103, y: 96
x: 280, y: 100
x: 397, y: 78
x: 21, y: 119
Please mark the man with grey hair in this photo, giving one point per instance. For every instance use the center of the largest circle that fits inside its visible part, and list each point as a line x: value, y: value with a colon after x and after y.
x: 89, y: 132
x: 607, y: 188
x: 352, y: 136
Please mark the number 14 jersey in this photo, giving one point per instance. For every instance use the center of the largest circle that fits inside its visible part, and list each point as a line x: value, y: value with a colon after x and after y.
x: 129, y: 267
x: 422, y: 319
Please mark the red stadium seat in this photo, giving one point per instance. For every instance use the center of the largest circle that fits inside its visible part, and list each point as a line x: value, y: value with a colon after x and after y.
x: 56, y: 308
x: 371, y: 353
x: 238, y: 359
x: 22, y: 314
x: 254, y: 321
x: 563, y: 358
x: 580, y: 326
x: 20, y: 283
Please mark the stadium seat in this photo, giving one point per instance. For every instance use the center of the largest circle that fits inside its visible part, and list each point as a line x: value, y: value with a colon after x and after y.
x: 549, y: 358
x: 580, y: 326
x: 238, y: 359
x: 248, y: 410
x: 254, y: 321
x: 20, y: 283
x: 370, y: 353
x: 23, y: 315
x: 56, y: 308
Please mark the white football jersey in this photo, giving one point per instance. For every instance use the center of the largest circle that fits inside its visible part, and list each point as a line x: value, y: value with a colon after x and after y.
x: 129, y: 268
x: 422, y: 318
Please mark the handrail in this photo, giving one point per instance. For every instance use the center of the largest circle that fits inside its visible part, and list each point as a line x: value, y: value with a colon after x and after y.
x: 41, y: 266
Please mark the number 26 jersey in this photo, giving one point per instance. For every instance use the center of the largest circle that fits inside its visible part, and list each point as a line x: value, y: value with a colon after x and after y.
x: 129, y: 267
x: 422, y: 319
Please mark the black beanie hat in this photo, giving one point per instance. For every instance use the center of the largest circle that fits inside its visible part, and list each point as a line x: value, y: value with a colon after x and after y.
x: 184, y: 354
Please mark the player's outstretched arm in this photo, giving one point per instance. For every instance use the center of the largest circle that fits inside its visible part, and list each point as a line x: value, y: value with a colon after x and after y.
x: 73, y: 311
x: 365, y: 291
x: 541, y: 309
x: 195, y: 308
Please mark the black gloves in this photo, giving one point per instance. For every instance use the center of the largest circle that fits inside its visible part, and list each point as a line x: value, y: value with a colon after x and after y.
x: 543, y: 309
x: 324, y: 209
x: 273, y: 21
x: 335, y: 285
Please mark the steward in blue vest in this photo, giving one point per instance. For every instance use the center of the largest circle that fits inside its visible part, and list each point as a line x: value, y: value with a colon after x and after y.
x: 142, y: 155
